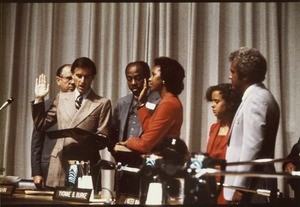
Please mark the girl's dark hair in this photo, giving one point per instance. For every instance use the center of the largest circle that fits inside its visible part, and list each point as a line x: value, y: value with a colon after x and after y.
x: 232, y: 98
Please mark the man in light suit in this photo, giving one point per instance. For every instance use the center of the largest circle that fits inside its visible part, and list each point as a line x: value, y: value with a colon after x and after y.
x: 81, y: 108
x: 42, y: 145
x: 126, y: 124
x: 254, y: 127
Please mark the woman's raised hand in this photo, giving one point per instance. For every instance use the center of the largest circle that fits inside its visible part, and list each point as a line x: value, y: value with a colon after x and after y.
x: 143, y: 95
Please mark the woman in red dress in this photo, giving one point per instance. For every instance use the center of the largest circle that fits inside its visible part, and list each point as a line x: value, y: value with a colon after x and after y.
x: 167, y: 79
x: 224, y: 105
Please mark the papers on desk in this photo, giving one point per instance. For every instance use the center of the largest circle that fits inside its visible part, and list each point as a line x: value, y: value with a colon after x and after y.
x: 4, y: 180
x: 99, y: 200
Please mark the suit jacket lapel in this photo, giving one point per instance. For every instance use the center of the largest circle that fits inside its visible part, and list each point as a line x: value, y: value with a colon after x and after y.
x: 86, y: 109
x: 68, y: 109
x: 124, y: 112
x: 244, y: 98
x: 234, y: 121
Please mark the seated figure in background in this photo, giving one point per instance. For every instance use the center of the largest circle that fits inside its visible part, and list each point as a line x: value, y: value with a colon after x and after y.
x: 294, y: 166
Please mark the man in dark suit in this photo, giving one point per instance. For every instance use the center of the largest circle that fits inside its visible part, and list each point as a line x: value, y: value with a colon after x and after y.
x: 41, y: 145
x: 82, y: 108
x: 126, y: 124
x: 294, y: 166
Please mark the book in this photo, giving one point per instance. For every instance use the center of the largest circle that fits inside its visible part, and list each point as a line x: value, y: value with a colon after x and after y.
x: 75, y: 133
x: 122, y: 148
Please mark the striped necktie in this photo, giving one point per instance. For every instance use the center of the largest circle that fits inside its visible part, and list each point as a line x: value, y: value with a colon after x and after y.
x: 78, y: 101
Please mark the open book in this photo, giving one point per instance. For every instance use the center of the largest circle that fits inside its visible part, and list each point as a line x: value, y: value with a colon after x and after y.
x: 122, y: 148
x: 75, y: 133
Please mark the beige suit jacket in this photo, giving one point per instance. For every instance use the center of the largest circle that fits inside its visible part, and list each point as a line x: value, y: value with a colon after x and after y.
x: 93, y: 116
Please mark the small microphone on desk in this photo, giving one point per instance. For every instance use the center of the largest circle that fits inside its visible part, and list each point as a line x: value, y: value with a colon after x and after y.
x: 6, y: 103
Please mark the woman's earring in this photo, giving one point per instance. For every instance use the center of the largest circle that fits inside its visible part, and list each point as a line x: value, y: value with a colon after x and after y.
x: 163, y: 82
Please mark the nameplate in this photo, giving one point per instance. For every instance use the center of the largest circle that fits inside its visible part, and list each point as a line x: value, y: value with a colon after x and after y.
x: 151, y: 106
x: 78, y: 195
x: 6, y: 190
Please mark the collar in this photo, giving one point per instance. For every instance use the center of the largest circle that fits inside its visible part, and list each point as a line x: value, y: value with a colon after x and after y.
x: 248, y: 91
x: 83, y: 95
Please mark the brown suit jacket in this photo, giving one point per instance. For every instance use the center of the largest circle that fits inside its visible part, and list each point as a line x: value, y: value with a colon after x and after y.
x: 93, y: 116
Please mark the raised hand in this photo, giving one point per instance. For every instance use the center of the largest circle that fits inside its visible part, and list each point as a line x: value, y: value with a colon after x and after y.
x: 143, y: 95
x: 41, y: 87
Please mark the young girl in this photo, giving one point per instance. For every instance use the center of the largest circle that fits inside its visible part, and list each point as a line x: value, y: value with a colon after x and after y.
x: 224, y: 105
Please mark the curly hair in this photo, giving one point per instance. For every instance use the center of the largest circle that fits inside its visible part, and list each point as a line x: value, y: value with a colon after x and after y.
x: 249, y: 62
x: 172, y: 73
x: 231, y: 98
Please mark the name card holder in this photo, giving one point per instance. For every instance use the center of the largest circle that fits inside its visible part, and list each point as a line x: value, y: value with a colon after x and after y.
x: 76, y: 195
x: 7, y: 190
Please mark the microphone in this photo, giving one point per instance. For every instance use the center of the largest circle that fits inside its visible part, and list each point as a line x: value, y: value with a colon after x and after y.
x: 6, y: 103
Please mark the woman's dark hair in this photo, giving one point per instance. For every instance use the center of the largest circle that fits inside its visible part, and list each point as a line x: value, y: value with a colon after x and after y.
x: 172, y: 73
x: 84, y: 62
x: 232, y: 98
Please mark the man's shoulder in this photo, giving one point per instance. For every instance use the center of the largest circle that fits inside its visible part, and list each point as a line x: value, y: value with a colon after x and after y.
x: 97, y: 98
x: 66, y: 94
x: 261, y: 96
x: 126, y: 98
x: 261, y: 93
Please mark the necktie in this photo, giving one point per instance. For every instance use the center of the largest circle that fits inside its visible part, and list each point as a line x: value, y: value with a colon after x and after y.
x: 133, y: 107
x: 78, y: 101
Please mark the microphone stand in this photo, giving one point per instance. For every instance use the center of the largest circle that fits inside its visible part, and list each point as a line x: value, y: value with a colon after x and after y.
x: 263, y: 192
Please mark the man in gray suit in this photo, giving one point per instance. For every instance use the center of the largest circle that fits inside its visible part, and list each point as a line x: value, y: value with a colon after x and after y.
x: 42, y: 145
x: 126, y: 124
x: 254, y: 127
x: 81, y: 108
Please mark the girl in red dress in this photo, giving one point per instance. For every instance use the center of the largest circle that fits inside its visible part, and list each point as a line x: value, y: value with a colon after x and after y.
x: 224, y: 103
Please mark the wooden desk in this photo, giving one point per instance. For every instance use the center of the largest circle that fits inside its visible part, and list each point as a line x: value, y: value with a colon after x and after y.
x: 39, y: 200
x: 22, y: 200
